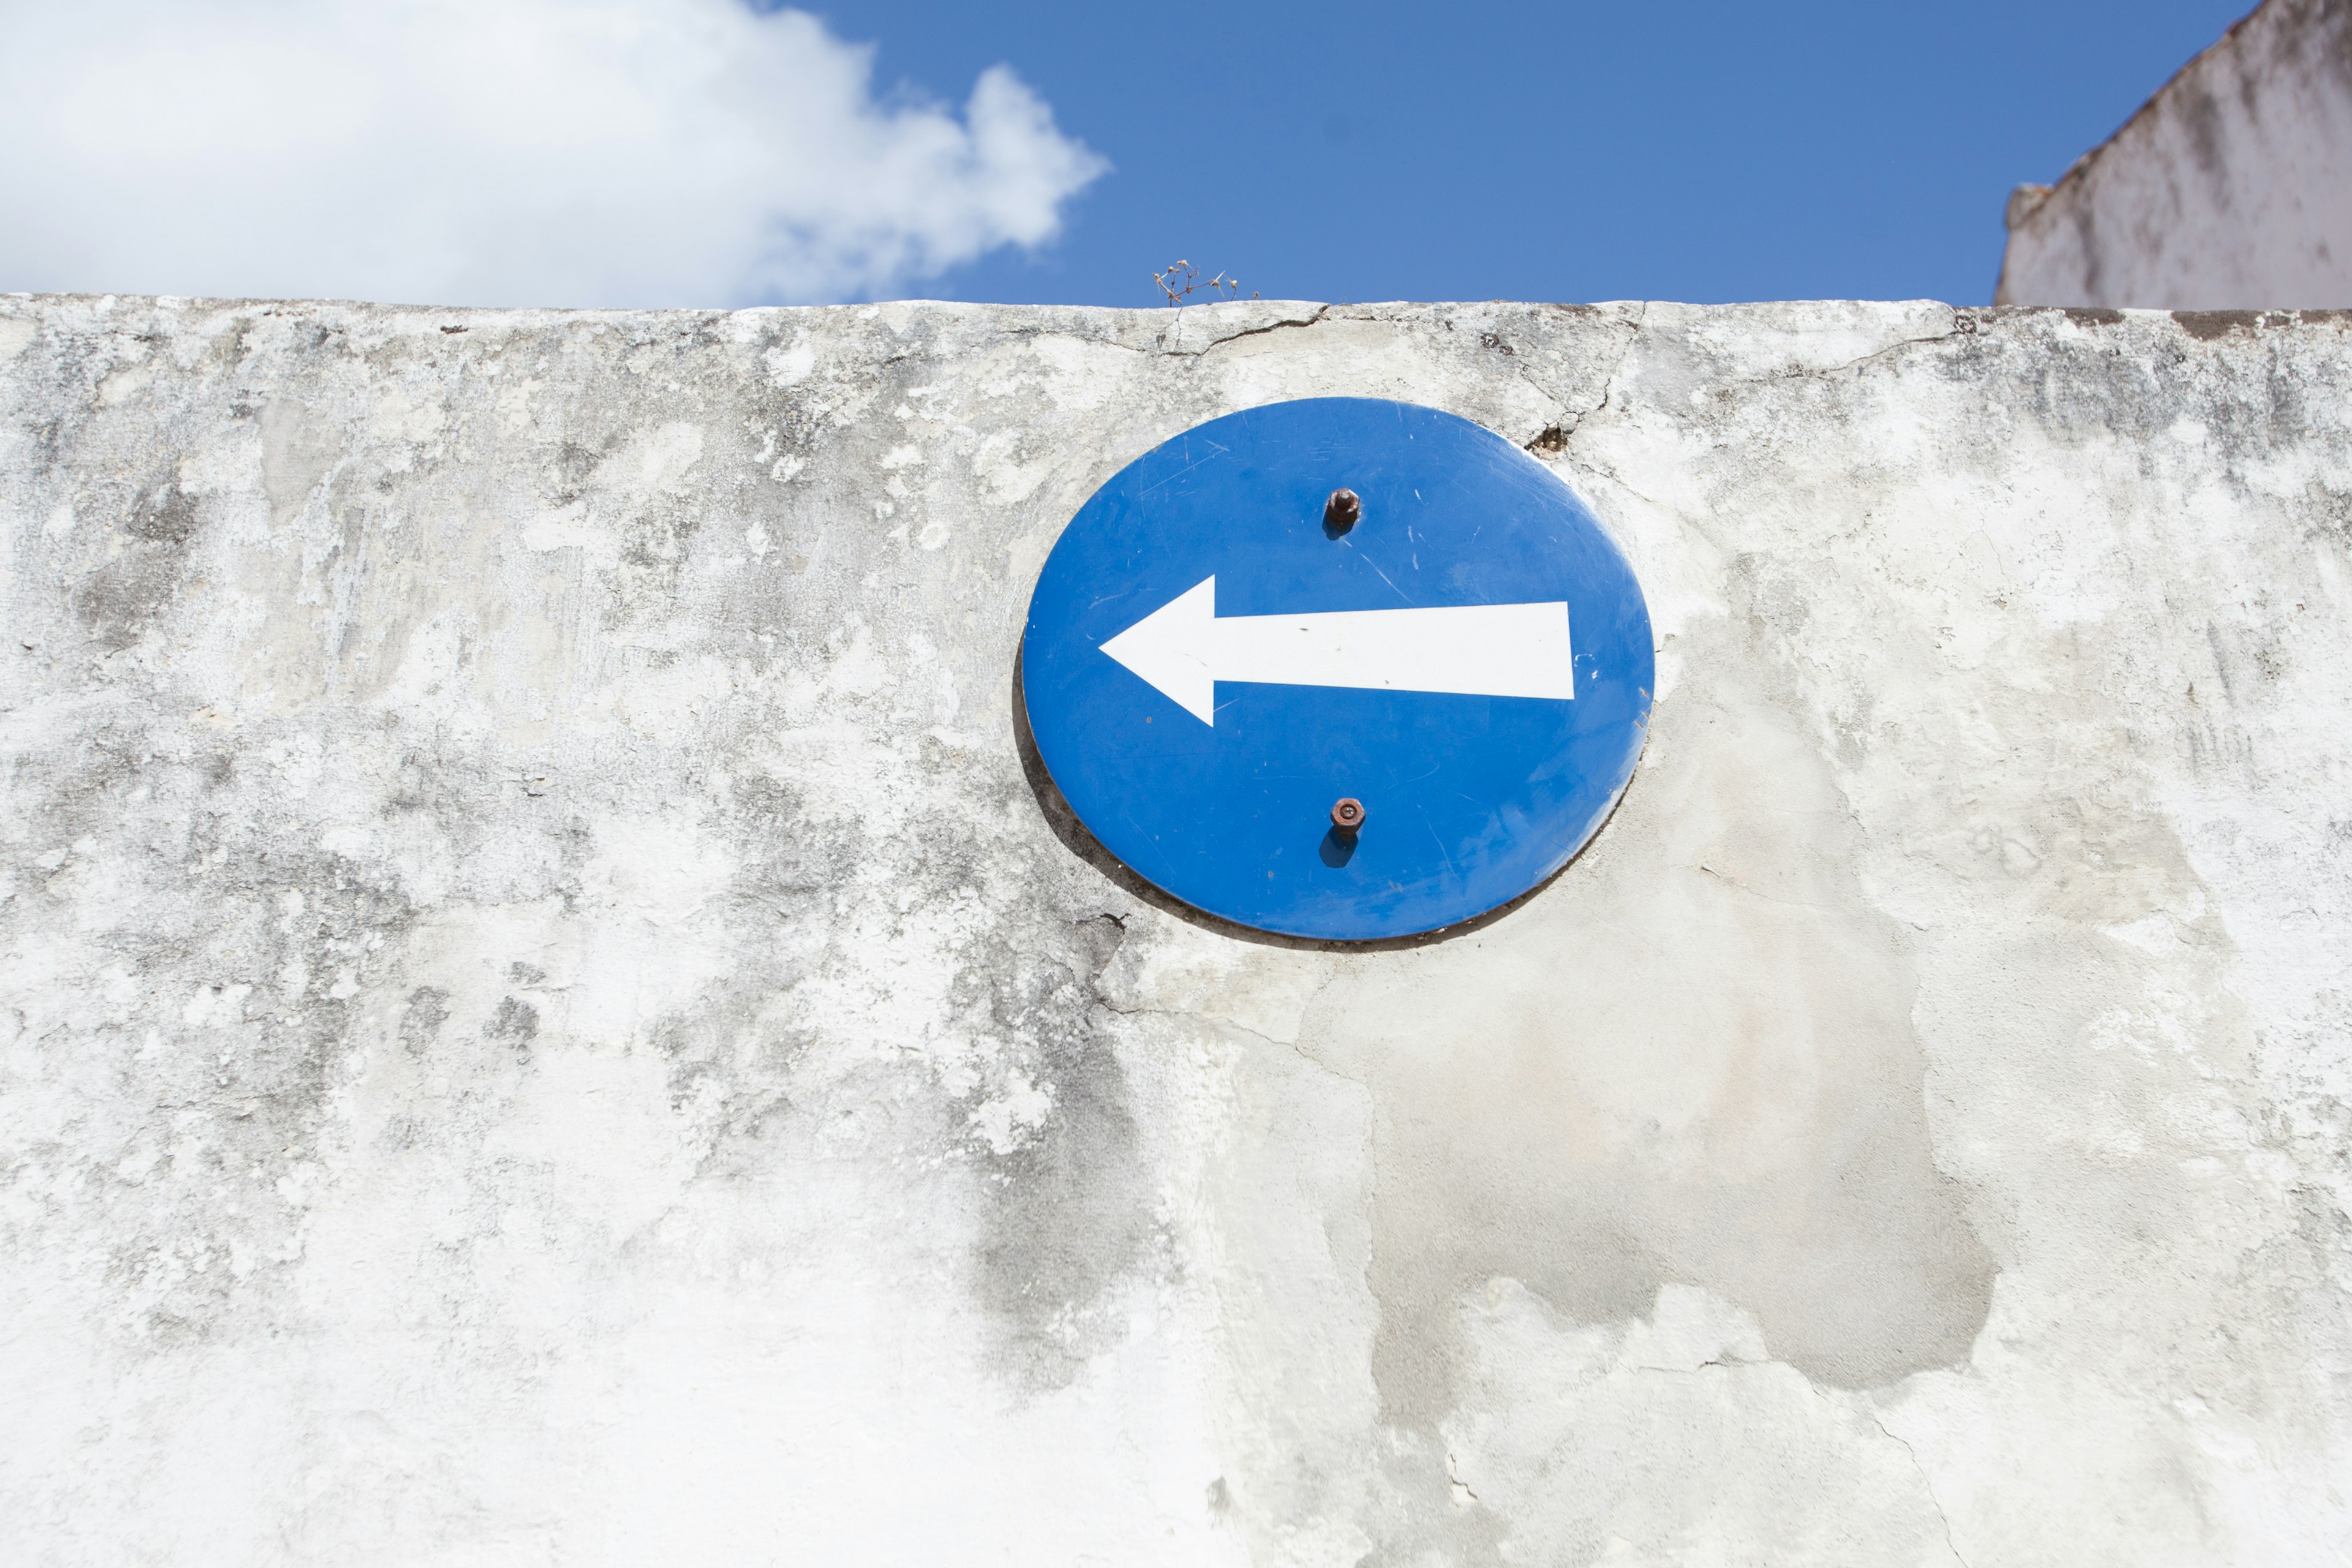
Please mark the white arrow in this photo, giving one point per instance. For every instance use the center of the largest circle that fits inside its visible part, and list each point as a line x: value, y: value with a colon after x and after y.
x: 1184, y: 648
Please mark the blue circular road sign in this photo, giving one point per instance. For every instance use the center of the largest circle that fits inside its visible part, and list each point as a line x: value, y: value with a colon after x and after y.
x: 1339, y: 668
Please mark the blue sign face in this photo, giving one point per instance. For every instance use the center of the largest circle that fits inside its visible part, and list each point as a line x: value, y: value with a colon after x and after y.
x: 1339, y: 668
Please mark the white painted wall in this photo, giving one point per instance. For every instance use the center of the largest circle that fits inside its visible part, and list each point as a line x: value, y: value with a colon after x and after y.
x: 544, y: 1020
x: 2231, y: 189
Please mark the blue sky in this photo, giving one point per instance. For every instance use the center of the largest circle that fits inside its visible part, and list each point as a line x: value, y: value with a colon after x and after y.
x: 1697, y: 151
x: 704, y: 152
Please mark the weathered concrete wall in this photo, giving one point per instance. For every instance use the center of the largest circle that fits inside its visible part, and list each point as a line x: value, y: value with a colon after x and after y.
x: 2231, y: 189
x: 546, y: 1021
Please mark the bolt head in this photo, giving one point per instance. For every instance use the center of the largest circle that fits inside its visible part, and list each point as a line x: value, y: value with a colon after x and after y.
x: 1348, y: 815
x: 1342, y: 510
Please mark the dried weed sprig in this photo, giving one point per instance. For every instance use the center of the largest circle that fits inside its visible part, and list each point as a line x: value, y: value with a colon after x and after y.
x: 1180, y: 278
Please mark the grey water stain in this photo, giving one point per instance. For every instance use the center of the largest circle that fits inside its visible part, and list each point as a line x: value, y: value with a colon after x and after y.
x: 1692, y: 1062
x: 298, y: 448
x: 1068, y: 1205
x: 515, y: 1026
x: 421, y: 1018
x: 119, y: 597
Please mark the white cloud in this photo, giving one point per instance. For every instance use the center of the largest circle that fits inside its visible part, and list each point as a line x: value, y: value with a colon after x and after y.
x: 495, y: 152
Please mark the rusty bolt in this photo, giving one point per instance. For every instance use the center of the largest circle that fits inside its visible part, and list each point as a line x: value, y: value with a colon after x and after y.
x: 1348, y: 815
x: 1342, y: 511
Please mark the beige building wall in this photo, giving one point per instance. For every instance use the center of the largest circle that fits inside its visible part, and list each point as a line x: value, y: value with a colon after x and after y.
x: 2231, y: 189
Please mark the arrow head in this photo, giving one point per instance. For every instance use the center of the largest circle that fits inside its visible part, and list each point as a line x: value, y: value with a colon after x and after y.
x: 1170, y: 647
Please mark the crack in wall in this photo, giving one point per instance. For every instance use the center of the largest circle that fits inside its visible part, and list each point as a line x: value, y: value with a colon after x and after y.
x: 1553, y: 441
x: 1176, y: 349
x: 1959, y: 328
x: 1927, y: 1484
